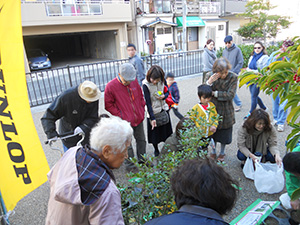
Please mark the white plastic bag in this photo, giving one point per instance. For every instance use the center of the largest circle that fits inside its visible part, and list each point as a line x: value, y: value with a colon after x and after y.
x: 285, y: 201
x: 268, y: 178
x: 248, y: 169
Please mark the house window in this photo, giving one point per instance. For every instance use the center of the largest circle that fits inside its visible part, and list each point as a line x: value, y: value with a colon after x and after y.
x: 160, y: 31
x: 193, y: 33
x: 168, y: 30
x: 160, y: 6
x: 221, y: 27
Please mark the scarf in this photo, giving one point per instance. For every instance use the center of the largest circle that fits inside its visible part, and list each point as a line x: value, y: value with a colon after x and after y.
x: 93, y: 175
x: 259, y: 142
x: 255, y: 58
x: 211, y: 53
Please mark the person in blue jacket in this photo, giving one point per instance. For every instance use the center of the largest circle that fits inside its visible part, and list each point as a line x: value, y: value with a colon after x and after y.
x: 203, y: 192
x: 279, y: 114
x: 235, y: 57
x: 137, y: 62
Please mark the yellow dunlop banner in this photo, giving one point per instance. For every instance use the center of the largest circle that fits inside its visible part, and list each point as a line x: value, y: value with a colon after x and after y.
x: 23, y: 165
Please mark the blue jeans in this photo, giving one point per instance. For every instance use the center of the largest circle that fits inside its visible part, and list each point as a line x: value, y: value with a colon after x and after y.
x: 65, y: 148
x: 237, y: 100
x: 255, y: 99
x: 279, y: 114
x: 269, y: 156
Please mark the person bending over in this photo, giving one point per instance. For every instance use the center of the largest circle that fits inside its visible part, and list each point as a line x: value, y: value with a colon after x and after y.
x: 203, y: 192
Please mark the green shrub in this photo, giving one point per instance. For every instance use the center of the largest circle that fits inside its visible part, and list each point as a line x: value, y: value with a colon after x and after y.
x: 246, y: 51
x: 220, y: 52
x: 273, y: 48
x: 148, y: 193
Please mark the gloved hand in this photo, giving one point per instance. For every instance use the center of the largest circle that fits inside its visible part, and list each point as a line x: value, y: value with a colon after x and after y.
x: 78, y: 130
x: 53, y: 139
x: 175, y: 106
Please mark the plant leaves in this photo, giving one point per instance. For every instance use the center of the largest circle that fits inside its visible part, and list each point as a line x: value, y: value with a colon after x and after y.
x: 296, y: 194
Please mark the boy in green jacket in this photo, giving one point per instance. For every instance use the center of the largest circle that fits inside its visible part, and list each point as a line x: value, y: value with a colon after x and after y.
x: 291, y: 163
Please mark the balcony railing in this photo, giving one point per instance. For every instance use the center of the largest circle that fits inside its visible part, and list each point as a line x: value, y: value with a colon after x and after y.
x: 199, y: 8
x: 209, y: 8
x: 74, y: 8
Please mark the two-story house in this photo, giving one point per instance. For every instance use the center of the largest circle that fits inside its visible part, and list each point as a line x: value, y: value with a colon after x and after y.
x: 157, y: 25
x: 101, y: 29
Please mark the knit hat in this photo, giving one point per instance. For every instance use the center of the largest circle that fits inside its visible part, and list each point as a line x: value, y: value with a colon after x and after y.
x: 228, y: 38
x: 170, y: 75
x: 128, y: 72
x: 288, y: 43
x: 89, y: 91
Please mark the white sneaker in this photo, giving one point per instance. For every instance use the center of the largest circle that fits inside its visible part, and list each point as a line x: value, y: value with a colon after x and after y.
x: 274, y: 123
x: 280, y: 128
x: 238, y: 108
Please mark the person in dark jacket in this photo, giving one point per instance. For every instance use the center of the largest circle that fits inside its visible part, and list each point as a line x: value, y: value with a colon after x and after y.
x: 203, y: 192
x: 77, y: 108
x: 223, y: 83
x: 172, y: 144
x: 173, y: 99
x: 137, y: 62
x: 124, y: 98
x: 155, y: 93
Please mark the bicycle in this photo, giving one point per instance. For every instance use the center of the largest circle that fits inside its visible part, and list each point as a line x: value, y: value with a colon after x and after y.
x: 63, y: 137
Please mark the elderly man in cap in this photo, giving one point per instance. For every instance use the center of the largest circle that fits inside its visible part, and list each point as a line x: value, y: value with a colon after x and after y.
x: 235, y: 57
x: 124, y: 98
x: 77, y: 109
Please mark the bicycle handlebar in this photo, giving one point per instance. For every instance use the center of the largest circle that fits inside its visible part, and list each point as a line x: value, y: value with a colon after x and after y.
x: 66, y: 136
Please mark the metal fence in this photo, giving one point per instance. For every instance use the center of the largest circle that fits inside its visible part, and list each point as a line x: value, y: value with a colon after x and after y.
x: 45, y: 85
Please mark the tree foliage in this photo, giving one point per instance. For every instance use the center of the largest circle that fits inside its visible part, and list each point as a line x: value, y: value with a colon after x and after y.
x: 282, y: 78
x: 261, y: 25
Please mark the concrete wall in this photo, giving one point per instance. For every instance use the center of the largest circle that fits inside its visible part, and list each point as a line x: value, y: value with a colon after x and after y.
x: 220, y: 34
x: 162, y: 39
x: 235, y: 23
x: 235, y: 6
x: 106, y: 44
x: 201, y: 37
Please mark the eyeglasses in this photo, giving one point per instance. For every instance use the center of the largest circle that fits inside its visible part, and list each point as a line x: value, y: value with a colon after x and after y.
x: 257, y: 47
x: 227, y: 43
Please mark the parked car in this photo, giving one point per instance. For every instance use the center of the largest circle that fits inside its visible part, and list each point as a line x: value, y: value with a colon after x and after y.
x: 37, y: 59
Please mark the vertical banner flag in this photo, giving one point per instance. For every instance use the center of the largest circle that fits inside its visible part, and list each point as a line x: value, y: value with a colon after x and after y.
x: 23, y: 165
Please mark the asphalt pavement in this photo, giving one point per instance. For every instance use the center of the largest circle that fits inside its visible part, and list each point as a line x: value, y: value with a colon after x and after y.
x: 32, y: 209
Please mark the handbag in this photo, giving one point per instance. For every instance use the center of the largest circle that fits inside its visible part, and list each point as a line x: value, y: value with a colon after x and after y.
x: 161, y: 118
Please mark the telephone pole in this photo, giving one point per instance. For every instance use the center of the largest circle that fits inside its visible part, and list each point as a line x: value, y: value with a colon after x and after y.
x: 184, y: 25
